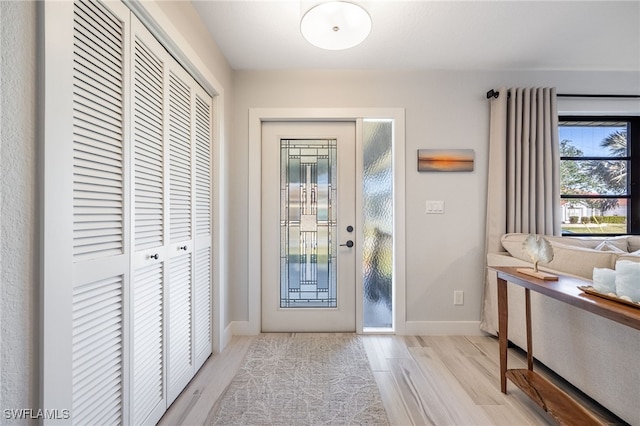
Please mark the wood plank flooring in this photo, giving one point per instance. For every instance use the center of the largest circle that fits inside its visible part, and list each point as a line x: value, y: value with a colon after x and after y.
x: 423, y: 380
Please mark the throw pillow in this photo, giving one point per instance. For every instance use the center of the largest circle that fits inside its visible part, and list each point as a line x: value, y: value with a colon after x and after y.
x: 608, y: 246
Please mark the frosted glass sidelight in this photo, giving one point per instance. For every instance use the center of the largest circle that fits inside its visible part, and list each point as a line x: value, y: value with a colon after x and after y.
x: 308, y: 223
x: 377, y: 206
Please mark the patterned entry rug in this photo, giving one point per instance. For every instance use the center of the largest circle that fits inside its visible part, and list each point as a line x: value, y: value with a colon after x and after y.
x: 303, y: 379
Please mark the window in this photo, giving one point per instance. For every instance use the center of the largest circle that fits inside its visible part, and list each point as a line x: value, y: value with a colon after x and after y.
x: 599, y: 175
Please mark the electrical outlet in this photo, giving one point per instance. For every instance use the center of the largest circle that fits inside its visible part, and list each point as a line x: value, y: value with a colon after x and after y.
x: 458, y: 297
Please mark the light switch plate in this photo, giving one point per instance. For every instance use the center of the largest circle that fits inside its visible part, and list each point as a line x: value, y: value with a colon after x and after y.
x: 435, y: 207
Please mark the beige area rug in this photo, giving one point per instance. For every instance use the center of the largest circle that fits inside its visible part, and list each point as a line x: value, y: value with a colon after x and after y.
x: 303, y: 379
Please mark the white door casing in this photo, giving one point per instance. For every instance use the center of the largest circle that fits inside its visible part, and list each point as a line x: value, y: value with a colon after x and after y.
x: 274, y: 316
x: 258, y: 116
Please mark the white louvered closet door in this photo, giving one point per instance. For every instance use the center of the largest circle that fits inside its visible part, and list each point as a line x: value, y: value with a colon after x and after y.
x: 127, y: 219
x: 86, y: 214
x: 150, y: 233
x: 180, y: 362
x: 203, y: 269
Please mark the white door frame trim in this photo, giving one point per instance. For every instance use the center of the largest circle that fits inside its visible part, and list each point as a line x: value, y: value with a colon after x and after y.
x: 254, y: 252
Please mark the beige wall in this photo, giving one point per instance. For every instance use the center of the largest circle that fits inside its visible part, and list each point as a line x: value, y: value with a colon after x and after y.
x: 444, y: 109
x: 19, y: 258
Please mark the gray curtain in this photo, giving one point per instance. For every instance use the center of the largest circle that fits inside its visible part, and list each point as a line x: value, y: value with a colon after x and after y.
x: 523, y: 192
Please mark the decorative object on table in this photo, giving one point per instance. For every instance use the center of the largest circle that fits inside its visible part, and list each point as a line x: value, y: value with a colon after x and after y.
x: 610, y: 296
x: 628, y: 280
x: 620, y: 285
x: 604, y: 280
x: 445, y: 160
x: 539, y: 250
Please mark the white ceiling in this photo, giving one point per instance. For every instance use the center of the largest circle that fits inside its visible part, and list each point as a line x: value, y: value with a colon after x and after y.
x: 426, y: 34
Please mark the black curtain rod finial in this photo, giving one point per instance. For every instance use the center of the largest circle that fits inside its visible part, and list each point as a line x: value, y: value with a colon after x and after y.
x: 493, y: 94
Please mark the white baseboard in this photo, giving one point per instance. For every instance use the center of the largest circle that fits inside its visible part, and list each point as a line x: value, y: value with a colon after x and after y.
x: 227, y: 335
x: 443, y: 328
x: 412, y: 328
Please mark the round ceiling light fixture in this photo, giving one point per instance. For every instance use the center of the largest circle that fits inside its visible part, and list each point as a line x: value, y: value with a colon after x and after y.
x: 336, y: 25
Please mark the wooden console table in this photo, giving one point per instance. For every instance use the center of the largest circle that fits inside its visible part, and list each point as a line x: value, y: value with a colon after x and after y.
x: 553, y: 400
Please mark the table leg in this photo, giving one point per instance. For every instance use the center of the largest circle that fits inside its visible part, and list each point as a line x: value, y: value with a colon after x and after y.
x: 503, y: 320
x: 527, y: 301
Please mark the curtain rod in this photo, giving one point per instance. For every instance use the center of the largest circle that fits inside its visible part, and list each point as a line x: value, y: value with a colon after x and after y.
x: 494, y: 94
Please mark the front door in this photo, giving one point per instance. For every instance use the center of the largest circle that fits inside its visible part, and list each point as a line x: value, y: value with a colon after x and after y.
x: 308, y: 219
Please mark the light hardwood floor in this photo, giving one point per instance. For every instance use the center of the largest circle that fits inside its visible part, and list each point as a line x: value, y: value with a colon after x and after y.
x: 423, y: 380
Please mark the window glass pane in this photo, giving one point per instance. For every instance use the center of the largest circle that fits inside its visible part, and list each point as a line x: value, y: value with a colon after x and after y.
x: 593, y: 139
x: 593, y: 177
x: 594, y: 216
x: 378, y: 223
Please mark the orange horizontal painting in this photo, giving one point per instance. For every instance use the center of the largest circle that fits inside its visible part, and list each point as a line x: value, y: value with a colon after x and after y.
x: 445, y: 160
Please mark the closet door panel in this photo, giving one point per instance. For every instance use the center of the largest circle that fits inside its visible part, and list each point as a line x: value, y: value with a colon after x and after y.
x: 97, y: 352
x: 98, y: 132
x: 202, y: 306
x: 147, y: 376
x: 150, y: 233
x: 86, y: 212
x: 100, y: 212
x: 180, y: 365
x: 203, y: 226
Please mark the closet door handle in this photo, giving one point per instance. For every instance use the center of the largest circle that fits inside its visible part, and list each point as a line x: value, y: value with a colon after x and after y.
x: 154, y: 256
x: 182, y: 248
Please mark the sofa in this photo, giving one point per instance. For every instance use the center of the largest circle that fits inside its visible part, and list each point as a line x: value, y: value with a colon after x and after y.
x: 598, y: 356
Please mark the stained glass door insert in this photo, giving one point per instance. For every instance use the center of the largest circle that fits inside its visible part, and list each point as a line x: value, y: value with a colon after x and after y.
x: 308, y: 244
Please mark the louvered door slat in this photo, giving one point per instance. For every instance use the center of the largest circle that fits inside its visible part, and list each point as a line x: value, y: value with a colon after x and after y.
x: 97, y: 367
x: 90, y: 62
x: 148, y: 329
x: 111, y: 164
x: 180, y: 321
x: 102, y: 110
x: 83, y: 127
x: 97, y: 47
x: 92, y: 89
x: 98, y: 18
x: 96, y: 144
x: 202, y: 303
x: 150, y: 166
x: 148, y: 147
x: 147, y: 132
x: 85, y: 116
x: 203, y: 167
x: 98, y: 131
x: 92, y: 79
x: 179, y: 160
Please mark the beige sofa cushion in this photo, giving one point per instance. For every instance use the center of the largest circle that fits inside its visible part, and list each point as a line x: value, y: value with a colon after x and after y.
x: 630, y: 256
x: 633, y: 242
x: 571, y: 259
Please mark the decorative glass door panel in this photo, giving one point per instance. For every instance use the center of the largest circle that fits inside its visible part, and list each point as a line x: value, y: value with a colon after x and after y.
x: 308, y: 216
x: 308, y: 185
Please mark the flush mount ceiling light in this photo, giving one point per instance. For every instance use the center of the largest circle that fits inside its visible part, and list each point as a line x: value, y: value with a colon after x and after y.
x: 335, y: 25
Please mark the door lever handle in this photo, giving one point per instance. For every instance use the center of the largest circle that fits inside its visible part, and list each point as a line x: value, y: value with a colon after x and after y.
x: 349, y: 244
